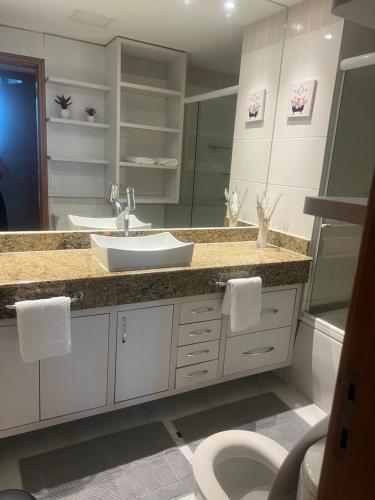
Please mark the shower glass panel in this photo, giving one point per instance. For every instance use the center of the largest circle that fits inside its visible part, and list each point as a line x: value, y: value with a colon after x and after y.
x: 206, y: 161
x: 352, y: 166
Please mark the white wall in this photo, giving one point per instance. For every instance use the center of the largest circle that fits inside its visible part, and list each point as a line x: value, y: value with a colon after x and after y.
x: 293, y: 151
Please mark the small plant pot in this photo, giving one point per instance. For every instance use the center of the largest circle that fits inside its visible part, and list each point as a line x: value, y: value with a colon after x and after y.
x: 64, y: 113
x: 90, y: 119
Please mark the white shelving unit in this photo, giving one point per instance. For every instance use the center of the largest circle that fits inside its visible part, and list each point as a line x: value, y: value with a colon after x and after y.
x: 78, y: 160
x: 145, y: 109
x: 80, y: 123
x: 56, y: 80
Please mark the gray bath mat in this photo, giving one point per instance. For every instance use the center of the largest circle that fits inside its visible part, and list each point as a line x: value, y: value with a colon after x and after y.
x: 139, y: 463
x: 265, y: 414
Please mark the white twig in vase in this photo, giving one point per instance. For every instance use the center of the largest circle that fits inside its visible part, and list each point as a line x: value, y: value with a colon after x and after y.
x: 265, y: 211
x: 234, y: 203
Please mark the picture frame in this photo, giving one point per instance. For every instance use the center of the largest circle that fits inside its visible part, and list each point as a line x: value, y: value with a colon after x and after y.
x: 301, y: 99
x: 256, y: 103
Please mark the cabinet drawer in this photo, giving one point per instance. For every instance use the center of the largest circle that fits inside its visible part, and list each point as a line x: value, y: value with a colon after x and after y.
x: 197, y: 353
x: 200, y: 310
x: 199, y: 332
x: 190, y: 375
x: 255, y: 350
x: 277, y: 312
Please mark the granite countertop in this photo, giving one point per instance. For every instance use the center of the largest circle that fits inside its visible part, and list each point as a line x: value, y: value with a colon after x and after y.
x: 28, y: 274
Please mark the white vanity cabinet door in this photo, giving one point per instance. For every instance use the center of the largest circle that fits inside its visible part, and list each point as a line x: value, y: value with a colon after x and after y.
x: 143, y: 352
x: 19, y: 383
x: 77, y: 381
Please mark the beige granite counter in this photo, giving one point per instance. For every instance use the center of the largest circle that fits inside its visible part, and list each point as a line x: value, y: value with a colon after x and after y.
x: 27, y: 274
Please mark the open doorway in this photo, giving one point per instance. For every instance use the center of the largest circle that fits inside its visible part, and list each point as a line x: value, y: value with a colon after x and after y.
x: 23, y: 166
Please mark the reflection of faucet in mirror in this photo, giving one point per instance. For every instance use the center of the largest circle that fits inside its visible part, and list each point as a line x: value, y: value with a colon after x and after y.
x: 114, y: 199
x: 130, y: 206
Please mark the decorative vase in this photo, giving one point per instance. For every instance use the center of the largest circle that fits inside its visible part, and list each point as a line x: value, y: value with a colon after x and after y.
x: 90, y: 119
x: 265, y: 210
x: 64, y: 113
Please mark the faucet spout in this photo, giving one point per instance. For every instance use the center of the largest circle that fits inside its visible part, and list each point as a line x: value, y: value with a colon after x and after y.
x: 130, y: 206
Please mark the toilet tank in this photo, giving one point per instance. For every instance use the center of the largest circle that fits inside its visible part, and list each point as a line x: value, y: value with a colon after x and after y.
x: 310, y: 471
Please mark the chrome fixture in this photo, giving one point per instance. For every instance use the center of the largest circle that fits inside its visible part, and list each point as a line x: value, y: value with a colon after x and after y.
x: 130, y: 206
x: 74, y: 297
x: 114, y: 199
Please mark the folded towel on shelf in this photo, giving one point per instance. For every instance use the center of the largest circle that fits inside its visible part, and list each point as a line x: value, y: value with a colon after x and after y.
x: 44, y: 328
x: 171, y: 162
x: 143, y: 160
x: 243, y: 303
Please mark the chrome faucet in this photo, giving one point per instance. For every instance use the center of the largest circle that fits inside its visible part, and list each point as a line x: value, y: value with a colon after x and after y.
x: 114, y: 199
x: 130, y: 206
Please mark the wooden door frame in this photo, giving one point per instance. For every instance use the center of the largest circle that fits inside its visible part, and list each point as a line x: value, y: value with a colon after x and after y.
x: 38, y: 66
x: 347, y: 472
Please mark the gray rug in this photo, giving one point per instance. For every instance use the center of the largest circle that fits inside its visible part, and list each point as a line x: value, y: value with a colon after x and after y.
x: 265, y: 414
x: 139, y: 463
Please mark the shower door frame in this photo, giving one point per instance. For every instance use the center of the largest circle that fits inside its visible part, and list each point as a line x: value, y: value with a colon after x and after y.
x: 38, y: 65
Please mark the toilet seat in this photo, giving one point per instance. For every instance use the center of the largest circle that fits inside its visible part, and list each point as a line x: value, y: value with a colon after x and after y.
x: 235, y: 444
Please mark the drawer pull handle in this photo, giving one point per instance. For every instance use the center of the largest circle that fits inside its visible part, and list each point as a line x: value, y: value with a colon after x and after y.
x: 197, y: 333
x: 259, y: 350
x: 201, y: 310
x: 198, y: 353
x: 270, y: 311
x: 197, y: 374
x: 124, y: 334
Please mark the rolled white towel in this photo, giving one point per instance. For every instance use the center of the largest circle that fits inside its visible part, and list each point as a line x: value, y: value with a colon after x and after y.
x: 171, y: 162
x: 142, y: 160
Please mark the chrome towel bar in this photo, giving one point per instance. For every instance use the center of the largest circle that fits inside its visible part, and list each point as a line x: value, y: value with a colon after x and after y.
x: 74, y: 297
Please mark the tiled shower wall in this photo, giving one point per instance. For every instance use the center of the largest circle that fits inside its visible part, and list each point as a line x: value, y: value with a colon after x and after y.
x: 280, y: 155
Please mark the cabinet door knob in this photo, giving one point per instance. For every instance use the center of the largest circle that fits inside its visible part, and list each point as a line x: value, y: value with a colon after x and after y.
x: 198, y: 353
x: 124, y: 335
x: 197, y: 374
x: 197, y: 333
x: 259, y: 350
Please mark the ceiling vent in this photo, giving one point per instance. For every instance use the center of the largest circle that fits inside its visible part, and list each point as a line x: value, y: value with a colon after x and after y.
x: 83, y: 17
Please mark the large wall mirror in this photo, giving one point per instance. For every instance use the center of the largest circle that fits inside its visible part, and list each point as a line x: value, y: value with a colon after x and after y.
x: 159, y: 98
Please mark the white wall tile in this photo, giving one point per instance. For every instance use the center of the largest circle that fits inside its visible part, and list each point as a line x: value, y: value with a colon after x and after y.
x: 289, y: 216
x: 315, y: 364
x: 17, y: 41
x: 316, y: 126
x: 313, y: 55
x: 250, y: 160
x: 297, y: 162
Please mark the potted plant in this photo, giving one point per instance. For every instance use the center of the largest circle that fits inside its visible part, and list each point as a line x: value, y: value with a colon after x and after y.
x: 91, y: 112
x: 64, y: 103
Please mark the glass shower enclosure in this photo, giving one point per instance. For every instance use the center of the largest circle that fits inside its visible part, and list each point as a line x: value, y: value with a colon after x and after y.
x: 206, y: 162
x: 351, y: 170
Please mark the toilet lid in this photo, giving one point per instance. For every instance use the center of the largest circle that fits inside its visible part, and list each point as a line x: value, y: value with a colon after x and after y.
x: 312, y: 465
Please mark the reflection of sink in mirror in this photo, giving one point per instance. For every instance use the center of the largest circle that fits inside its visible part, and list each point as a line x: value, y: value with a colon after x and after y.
x: 105, y: 223
x: 141, y: 252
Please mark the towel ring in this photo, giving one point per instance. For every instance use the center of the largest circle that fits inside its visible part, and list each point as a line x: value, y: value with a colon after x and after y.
x: 74, y: 297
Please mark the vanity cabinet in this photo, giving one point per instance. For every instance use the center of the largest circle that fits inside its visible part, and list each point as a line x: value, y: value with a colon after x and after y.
x: 143, y: 354
x: 19, y: 383
x: 77, y: 381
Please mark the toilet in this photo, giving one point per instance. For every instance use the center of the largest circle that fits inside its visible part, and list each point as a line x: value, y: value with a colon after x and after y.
x: 244, y: 465
x: 310, y: 471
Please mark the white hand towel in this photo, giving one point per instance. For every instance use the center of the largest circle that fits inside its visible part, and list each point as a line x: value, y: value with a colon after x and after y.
x: 171, y: 162
x: 243, y: 303
x: 44, y: 328
x: 142, y: 160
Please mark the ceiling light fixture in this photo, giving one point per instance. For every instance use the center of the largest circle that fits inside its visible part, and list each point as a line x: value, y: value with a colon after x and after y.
x: 229, y: 5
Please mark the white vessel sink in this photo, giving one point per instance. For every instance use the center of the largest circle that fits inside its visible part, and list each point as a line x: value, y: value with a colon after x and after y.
x: 141, y: 252
x: 105, y: 223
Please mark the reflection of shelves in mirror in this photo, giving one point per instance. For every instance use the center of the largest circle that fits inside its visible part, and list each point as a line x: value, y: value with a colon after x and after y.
x: 78, y: 160
x: 150, y: 127
x: 68, y: 121
x: 150, y: 90
x: 55, y: 80
x: 141, y: 165
x: 351, y: 210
